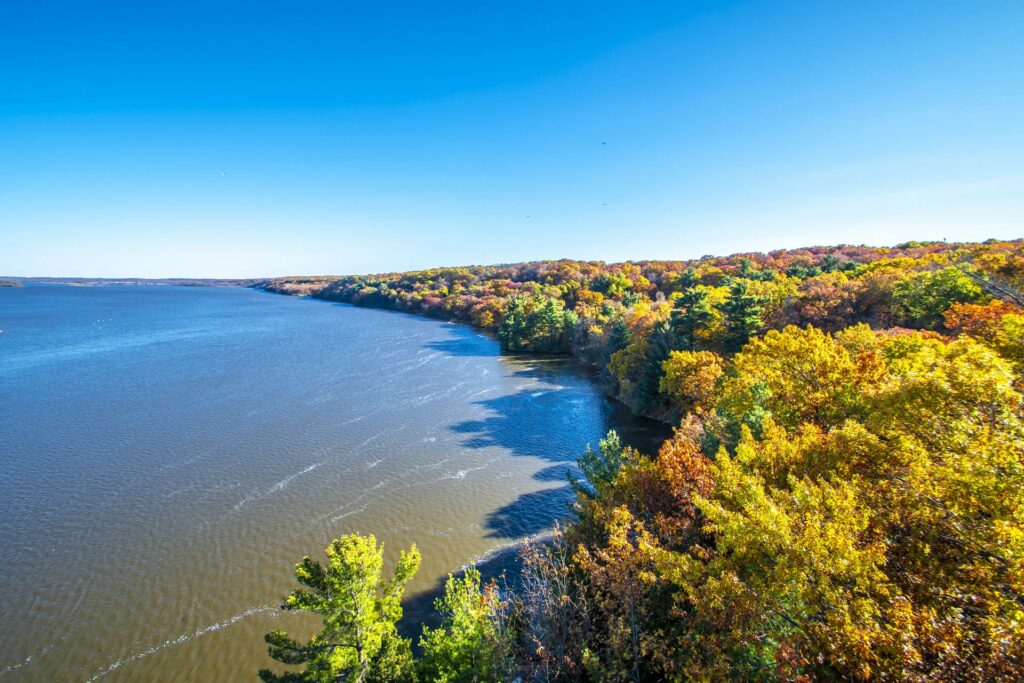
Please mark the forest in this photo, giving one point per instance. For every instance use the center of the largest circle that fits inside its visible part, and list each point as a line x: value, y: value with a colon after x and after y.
x: 842, y: 498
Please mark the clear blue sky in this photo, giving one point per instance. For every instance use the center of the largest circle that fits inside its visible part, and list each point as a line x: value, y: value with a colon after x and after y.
x: 270, y: 138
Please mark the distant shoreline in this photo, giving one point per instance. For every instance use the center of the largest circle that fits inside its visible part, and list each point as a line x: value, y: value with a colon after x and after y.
x: 107, y: 282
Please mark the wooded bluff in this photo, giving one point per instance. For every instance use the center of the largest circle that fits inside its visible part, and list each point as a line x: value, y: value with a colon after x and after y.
x: 843, y: 497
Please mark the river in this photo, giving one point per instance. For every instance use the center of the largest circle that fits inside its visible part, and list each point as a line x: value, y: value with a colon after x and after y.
x: 168, y: 453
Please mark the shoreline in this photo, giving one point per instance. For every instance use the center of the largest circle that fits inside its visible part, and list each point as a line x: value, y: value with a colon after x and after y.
x: 591, y: 369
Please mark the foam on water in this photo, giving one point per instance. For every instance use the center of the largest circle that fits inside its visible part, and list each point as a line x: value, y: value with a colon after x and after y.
x: 182, y: 639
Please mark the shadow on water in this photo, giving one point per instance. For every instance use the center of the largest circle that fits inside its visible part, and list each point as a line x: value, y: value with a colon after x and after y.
x: 464, y: 346
x: 465, y: 341
x: 547, y: 368
x: 530, y: 514
x: 533, y: 513
x: 539, y: 421
x: 534, y: 423
x: 522, y: 423
x: 559, y: 473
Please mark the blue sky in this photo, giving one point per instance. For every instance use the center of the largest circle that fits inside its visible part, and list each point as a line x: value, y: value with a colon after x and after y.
x: 247, y: 139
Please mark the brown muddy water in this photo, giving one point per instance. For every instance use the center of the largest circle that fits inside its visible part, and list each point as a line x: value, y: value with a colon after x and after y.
x: 167, y: 454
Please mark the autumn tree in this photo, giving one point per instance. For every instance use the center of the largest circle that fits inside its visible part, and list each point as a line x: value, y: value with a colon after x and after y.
x: 554, y: 609
x: 866, y: 531
x: 690, y: 379
x: 828, y: 301
x: 998, y: 324
x: 798, y: 376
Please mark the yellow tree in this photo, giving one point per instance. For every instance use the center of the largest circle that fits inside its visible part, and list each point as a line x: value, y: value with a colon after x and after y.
x: 690, y: 379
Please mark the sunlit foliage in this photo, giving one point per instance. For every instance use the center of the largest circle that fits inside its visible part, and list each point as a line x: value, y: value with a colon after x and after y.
x: 690, y: 379
x: 359, y: 609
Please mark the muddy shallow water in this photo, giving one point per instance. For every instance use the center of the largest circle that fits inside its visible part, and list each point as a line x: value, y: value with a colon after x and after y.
x: 167, y: 454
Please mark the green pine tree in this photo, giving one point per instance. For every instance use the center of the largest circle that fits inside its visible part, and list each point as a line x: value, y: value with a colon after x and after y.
x: 742, y: 311
x: 648, y: 392
x: 359, y: 641
x: 693, y: 312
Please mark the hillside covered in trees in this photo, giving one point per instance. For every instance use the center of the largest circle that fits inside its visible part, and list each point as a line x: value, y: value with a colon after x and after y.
x: 626, y: 319
x: 843, y: 497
